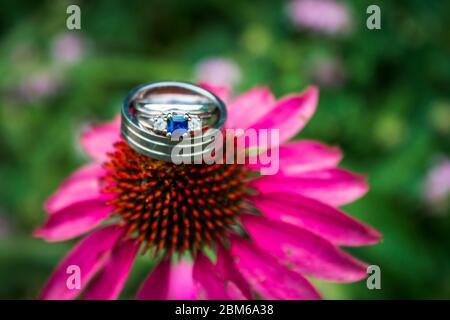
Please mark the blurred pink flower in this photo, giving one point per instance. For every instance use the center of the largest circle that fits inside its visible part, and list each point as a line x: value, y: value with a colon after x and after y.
x: 177, y: 211
x: 327, y: 16
x: 328, y: 72
x: 218, y: 71
x: 437, y: 186
x: 39, y: 86
x: 68, y: 48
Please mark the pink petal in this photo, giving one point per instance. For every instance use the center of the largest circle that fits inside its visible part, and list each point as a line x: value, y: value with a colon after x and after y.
x: 333, y: 186
x: 303, y: 250
x: 269, y: 278
x: 249, y: 107
x: 307, y: 155
x: 211, y: 285
x: 99, y: 140
x: 156, y: 286
x: 289, y: 115
x: 74, y: 220
x: 89, y: 255
x: 172, y: 281
x: 110, y: 282
x: 319, y: 218
x: 82, y: 185
x: 220, y: 91
x: 229, y: 272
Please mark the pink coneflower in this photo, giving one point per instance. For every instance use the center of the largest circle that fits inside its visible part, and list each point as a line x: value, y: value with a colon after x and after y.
x: 39, y: 86
x: 68, y: 48
x: 327, y: 16
x: 265, y: 234
x: 218, y: 71
x: 437, y: 186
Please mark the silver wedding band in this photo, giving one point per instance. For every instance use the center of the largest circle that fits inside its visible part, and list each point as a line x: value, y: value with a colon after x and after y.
x: 157, y: 115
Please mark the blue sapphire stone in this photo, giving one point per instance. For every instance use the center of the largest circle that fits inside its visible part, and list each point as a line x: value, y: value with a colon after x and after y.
x: 177, y: 122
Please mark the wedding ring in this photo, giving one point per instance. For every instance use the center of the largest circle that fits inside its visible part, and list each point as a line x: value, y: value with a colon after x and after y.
x: 153, y: 113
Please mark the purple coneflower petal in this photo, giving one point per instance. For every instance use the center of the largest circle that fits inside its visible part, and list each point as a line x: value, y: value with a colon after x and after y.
x: 89, y: 256
x: 109, y: 283
x: 209, y: 282
x: 289, y: 115
x: 319, y: 218
x: 229, y: 272
x: 302, y: 250
x: 156, y: 286
x: 302, y: 156
x: 74, y: 220
x: 169, y: 280
x: 269, y: 278
x: 82, y: 185
x: 99, y: 140
x: 249, y: 107
x: 332, y: 186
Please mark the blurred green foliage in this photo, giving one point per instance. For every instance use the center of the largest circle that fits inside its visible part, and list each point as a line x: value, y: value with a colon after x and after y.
x: 390, y: 116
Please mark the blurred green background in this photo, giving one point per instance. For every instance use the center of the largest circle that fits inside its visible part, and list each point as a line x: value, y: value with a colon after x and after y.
x: 384, y: 99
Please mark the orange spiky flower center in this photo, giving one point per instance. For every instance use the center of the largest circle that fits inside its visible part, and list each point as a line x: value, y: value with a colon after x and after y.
x: 175, y: 208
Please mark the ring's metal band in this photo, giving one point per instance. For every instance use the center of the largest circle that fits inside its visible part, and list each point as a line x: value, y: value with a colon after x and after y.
x: 146, y: 108
x: 169, y: 95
